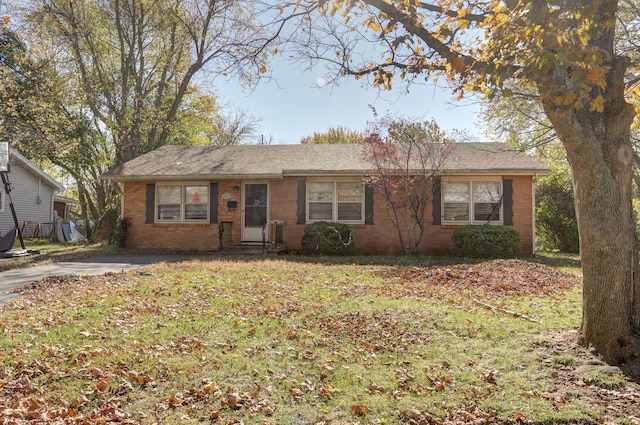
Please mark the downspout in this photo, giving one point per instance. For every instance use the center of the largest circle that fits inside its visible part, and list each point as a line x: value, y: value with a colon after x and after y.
x: 52, y: 204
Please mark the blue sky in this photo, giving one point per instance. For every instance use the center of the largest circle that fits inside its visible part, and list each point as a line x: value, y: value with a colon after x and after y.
x: 294, y: 106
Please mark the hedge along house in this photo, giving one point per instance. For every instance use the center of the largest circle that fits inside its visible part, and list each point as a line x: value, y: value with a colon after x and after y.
x: 175, y: 197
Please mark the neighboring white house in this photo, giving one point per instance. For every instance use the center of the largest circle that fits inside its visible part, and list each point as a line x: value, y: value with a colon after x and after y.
x: 32, y: 192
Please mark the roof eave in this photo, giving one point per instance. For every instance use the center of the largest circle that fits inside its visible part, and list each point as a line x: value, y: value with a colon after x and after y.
x: 316, y: 173
x: 502, y: 172
x: 302, y: 173
x: 191, y: 177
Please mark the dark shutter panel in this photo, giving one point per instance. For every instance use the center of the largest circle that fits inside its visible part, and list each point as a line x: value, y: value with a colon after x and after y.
x: 302, y: 202
x: 151, y: 201
x: 436, y: 201
x: 368, y: 204
x: 507, y: 202
x: 213, y: 202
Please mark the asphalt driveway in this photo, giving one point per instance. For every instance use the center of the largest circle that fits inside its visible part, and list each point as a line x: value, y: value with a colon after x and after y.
x: 12, y: 279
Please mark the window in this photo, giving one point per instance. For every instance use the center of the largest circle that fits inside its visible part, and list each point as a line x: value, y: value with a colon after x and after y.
x: 182, y: 203
x: 335, y: 201
x: 486, y: 201
x: 475, y: 202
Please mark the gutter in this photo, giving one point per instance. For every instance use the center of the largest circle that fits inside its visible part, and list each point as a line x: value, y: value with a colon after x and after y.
x: 198, y: 177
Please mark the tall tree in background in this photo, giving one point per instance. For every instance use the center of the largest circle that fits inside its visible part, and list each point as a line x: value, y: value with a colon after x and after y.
x: 565, y: 53
x: 133, y: 62
x: 202, y: 121
x: 406, y: 156
x: 520, y: 122
x: 334, y: 135
x: 236, y: 128
x: 35, y: 121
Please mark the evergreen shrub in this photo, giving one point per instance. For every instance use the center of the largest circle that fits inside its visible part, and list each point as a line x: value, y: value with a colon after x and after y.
x: 487, y: 241
x: 326, y: 238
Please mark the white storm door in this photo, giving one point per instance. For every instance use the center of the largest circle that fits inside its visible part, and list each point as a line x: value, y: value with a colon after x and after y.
x: 255, y: 211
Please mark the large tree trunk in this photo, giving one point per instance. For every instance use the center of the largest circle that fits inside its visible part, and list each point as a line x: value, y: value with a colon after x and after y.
x: 599, y: 149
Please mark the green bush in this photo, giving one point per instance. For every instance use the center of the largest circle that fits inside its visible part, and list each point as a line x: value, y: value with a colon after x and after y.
x: 555, y: 214
x: 486, y: 241
x: 327, y: 239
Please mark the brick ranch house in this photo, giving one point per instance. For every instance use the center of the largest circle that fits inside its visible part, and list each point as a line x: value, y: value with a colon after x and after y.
x: 176, y: 197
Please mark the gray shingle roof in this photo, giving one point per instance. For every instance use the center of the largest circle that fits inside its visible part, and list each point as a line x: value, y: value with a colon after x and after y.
x: 275, y: 161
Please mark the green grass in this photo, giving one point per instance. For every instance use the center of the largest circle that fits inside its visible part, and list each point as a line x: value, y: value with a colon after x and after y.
x: 559, y: 260
x: 278, y: 341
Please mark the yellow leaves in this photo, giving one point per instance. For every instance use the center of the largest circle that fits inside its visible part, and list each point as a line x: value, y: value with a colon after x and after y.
x: 597, y: 105
x: 596, y: 76
x: 390, y: 27
x: 5, y: 19
x: 337, y: 4
x: 578, y: 100
x: 463, y: 12
x: 568, y: 98
x: 374, y: 26
x: 263, y: 69
x: 477, y: 85
x: 383, y: 79
x: 464, y: 24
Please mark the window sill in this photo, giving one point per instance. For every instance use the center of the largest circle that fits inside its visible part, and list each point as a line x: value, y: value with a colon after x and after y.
x: 466, y: 223
x: 354, y: 225
x: 183, y: 223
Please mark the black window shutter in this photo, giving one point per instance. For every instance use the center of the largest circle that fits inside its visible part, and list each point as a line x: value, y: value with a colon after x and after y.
x: 150, y: 205
x: 213, y: 202
x: 302, y: 202
x: 436, y: 201
x: 368, y: 204
x: 507, y: 202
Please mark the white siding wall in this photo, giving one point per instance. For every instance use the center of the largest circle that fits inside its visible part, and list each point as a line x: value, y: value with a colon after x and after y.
x: 26, y: 189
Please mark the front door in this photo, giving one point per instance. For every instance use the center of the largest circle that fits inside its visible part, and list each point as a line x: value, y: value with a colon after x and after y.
x: 255, y: 211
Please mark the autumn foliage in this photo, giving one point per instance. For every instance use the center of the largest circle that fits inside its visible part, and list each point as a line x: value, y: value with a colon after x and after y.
x: 406, y: 157
x: 574, y: 57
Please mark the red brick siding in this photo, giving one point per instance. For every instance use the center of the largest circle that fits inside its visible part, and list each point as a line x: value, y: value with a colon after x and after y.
x: 437, y: 239
x: 170, y: 236
x: 379, y: 238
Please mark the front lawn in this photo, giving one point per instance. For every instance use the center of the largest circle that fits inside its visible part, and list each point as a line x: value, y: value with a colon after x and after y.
x: 289, y: 341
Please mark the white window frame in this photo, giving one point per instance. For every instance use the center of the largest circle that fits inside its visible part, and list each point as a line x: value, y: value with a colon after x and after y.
x: 183, y: 203
x: 335, y: 201
x: 471, y: 202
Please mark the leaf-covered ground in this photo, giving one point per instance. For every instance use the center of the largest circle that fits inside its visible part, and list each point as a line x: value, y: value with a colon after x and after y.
x: 288, y: 342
